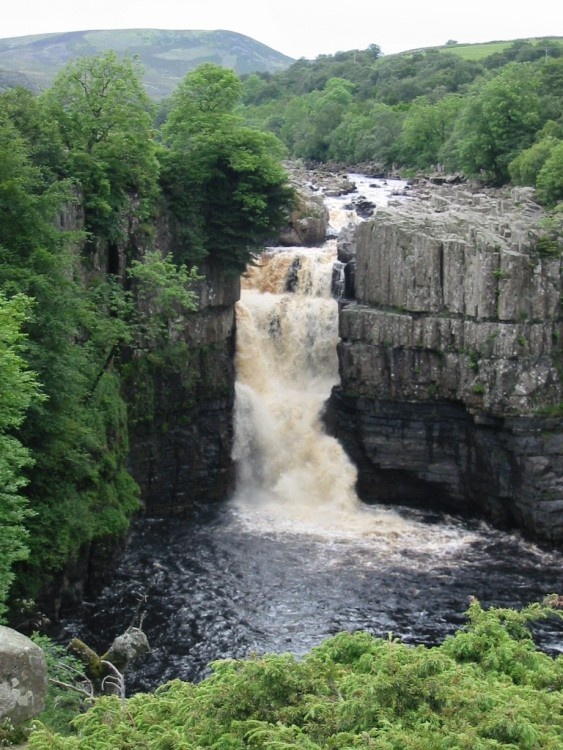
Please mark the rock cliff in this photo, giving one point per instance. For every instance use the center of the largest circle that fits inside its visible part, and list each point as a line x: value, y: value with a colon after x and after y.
x: 181, y: 406
x: 451, y: 361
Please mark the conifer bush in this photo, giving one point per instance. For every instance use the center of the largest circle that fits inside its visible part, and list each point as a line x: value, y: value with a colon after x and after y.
x: 485, y: 688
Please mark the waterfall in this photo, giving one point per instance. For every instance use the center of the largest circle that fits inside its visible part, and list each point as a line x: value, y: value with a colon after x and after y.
x: 287, y: 332
x: 286, y: 366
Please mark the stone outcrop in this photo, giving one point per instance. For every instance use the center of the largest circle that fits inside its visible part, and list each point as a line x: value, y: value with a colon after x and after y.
x: 23, y: 677
x: 308, y: 221
x: 450, y: 359
x: 181, y: 414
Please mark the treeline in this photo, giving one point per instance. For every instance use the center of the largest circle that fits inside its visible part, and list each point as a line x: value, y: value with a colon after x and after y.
x: 499, y: 118
x: 84, y: 288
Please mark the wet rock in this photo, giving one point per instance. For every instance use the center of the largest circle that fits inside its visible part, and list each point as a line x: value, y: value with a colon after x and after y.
x: 346, y: 244
x: 23, y: 677
x: 308, y: 222
x: 450, y: 355
x: 364, y: 208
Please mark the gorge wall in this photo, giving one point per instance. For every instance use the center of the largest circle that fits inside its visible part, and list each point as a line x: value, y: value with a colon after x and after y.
x: 451, y: 361
x: 181, y: 398
x: 181, y: 402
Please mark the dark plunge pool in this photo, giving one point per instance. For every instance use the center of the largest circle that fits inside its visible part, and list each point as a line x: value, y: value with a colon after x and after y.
x: 225, y: 585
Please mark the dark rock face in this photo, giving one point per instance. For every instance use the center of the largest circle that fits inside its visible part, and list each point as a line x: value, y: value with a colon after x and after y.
x: 437, y: 454
x: 181, y: 425
x: 450, y: 360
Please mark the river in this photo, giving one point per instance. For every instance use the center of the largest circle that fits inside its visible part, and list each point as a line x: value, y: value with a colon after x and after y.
x: 294, y: 556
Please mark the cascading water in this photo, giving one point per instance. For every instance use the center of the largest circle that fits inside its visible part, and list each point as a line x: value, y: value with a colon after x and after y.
x: 286, y: 366
x: 294, y: 557
x: 290, y: 473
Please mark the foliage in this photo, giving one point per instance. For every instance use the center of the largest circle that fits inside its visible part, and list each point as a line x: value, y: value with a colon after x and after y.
x: 550, y: 177
x: 105, y: 121
x: 18, y: 387
x: 164, y: 295
x: 427, y: 127
x: 499, y: 120
x: 524, y: 50
x: 524, y: 169
x: 469, y: 108
x: 223, y: 181
x: 485, y: 688
x: 77, y: 484
x: 69, y: 691
x: 550, y: 241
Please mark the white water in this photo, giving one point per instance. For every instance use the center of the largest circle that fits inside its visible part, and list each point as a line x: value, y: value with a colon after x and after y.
x: 291, y: 475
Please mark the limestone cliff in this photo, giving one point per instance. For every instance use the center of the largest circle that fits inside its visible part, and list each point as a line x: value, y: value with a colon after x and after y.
x: 450, y: 359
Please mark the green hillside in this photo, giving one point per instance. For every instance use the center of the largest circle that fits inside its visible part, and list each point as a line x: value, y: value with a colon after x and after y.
x: 166, y: 55
x: 486, y: 49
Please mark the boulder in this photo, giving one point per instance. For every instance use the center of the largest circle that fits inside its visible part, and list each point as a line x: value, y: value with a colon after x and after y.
x: 23, y: 677
x: 308, y: 221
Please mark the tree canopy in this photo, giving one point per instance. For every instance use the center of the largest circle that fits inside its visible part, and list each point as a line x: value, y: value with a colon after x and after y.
x: 224, y: 181
x: 86, y: 178
x: 419, y: 110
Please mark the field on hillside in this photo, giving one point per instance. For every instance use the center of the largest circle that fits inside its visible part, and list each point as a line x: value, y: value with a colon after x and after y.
x: 479, y: 52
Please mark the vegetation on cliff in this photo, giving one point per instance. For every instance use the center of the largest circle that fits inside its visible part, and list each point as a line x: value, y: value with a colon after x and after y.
x: 485, y: 687
x: 86, y: 177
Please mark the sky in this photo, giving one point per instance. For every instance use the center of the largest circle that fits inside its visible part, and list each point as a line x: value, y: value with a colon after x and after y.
x: 302, y: 28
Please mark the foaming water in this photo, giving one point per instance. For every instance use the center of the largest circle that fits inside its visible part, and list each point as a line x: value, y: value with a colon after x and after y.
x: 291, y: 475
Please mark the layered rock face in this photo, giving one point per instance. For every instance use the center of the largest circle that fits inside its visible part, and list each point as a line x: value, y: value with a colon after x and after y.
x: 181, y: 414
x: 451, y: 359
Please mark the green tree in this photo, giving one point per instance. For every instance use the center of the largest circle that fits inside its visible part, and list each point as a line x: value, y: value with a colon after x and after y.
x: 369, y: 135
x: 524, y: 169
x: 224, y: 181
x: 106, y: 123
x: 550, y: 177
x: 18, y: 387
x: 207, y: 93
x: 500, y: 119
x: 327, y: 112
x: 426, y: 130
x: 36, y: 126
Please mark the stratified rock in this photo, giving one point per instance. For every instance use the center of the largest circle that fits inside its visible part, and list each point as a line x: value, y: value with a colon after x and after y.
x: 181, y: 418
x: 23, y: 677
x: 450, y: 359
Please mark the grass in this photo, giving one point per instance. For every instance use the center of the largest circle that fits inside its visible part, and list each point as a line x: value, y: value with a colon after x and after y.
x: 478, y: 52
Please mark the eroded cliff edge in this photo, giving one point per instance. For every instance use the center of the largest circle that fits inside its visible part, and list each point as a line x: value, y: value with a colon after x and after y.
x: 451, y: 361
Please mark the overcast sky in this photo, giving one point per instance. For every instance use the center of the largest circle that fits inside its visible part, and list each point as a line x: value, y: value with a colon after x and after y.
x: 302, y: 28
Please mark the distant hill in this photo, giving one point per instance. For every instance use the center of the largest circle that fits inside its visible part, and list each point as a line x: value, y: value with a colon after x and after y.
x: 166, y: 55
